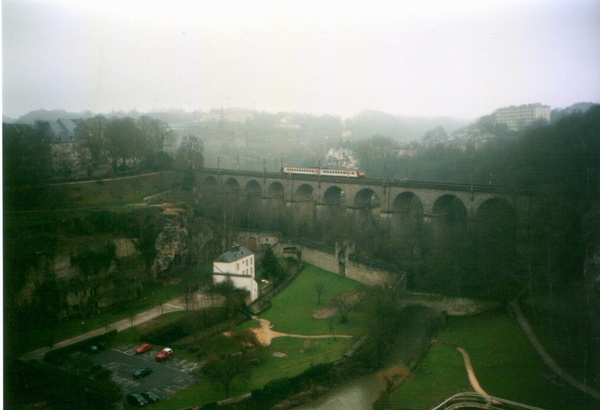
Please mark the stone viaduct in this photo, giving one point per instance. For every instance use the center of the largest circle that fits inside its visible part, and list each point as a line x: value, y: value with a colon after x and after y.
x: 317, y: 200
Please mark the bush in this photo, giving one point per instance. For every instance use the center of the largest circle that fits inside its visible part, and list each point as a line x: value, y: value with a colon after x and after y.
x: 191, y: 322
x: 271, y: 268
x: 167, y: 333
x: 280, y: 389
x: 61, y: 388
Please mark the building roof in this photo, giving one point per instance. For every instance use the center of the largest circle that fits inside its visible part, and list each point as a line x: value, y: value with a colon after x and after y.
x: 68, y: 125
x: 236, y: 253
x: 63, y: 130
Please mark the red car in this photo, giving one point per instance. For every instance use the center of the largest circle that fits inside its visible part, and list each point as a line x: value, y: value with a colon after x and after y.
x: 165, y: 354
x: 143, y: 348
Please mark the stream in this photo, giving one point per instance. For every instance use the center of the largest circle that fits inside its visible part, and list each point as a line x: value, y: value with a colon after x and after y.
x: 357, y: 394
x: 412, y: 343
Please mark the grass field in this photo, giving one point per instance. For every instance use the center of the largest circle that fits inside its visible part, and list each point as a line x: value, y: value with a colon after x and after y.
x: 50, y: 209
x: 105, y: 193
x: 293, y: 309
x: 504, y: 363
x: 291, y: 312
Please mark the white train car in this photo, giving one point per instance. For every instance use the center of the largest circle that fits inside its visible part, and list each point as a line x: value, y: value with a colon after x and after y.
x: 349, y: 173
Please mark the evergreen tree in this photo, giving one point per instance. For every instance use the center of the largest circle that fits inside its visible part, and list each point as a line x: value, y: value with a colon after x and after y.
x: 271, y: 268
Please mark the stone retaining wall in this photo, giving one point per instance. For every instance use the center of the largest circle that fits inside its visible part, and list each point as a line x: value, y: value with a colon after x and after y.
x: 452, y: 306
x: 338, y: 261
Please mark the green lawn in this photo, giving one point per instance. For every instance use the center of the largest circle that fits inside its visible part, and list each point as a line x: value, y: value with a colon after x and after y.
x: 106, y: 193
x: 503, y: 360
x: 291, y: 312
x: 293, y: 309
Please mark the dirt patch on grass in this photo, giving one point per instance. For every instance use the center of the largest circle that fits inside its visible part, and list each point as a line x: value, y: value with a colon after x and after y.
x: 349, y: 298
x: 265, y: 334
x: 325, y: 313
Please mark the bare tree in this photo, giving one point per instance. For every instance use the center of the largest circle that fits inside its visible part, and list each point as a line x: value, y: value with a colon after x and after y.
x: 92, y: 136
x: 223, y: 371
x: 331, y: 327
x: 189, y: 154
x: 246, y: 341
x: 344, y: 302
x: 319, y: 287
x: 156, y: 132
x: 123, y: 142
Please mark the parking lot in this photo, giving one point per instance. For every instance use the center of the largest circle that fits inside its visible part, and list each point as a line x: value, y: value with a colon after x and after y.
x: 168, y: 377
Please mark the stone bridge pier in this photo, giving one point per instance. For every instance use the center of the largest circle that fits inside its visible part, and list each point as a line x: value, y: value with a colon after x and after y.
x: 400, y: 210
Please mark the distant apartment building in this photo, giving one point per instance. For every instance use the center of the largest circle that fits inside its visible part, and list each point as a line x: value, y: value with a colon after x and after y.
x: 63, y: 149
x: 286, y: 123
x: 218, y: 116
x: 521, y: 116
x: 62, y: 130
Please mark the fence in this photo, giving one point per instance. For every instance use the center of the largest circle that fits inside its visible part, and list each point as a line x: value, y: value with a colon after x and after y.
x: 264, y: 302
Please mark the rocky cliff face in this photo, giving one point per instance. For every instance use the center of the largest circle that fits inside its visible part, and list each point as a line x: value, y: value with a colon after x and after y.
x: 182, y: 239
x: 95, y: 267
x: 171, y: 242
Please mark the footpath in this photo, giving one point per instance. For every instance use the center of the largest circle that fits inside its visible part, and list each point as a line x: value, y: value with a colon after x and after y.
x: 173, y: 305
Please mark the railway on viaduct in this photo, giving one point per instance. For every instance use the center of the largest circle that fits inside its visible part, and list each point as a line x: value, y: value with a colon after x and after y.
x: 407, y: 205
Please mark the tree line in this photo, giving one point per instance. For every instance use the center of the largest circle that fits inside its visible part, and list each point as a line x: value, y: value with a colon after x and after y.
x: 115, y: 145
x: 563, y: 154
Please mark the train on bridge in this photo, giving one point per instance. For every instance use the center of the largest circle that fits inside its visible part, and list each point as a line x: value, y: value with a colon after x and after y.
x: 350, y: 173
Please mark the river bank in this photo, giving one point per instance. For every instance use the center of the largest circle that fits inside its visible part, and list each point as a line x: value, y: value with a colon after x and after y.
x: 414, y: 338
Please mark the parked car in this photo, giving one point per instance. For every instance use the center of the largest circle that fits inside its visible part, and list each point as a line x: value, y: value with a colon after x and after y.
x: 139, y: 373
x: 164, y: 354
x: 96, y: 347
x: 150, y: 397
x: 143, y: 348
x: 136, y: 400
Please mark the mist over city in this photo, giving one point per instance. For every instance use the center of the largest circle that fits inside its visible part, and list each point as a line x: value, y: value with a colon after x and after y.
x: 459, y: 59
x: 314, y: 205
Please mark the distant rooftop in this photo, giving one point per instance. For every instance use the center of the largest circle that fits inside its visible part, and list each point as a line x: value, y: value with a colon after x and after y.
x: 237, y: 252
x: 63, y: 130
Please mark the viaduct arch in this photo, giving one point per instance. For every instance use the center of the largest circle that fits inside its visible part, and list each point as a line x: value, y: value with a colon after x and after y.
x: 405, y: 207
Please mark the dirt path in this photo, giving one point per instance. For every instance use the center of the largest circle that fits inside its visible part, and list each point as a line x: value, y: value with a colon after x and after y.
x: 265, y: 334
x: 472, y: 379
x: 470, y: 372
x: 546, y: 358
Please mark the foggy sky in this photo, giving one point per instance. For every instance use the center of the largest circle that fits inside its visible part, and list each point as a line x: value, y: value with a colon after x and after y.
x: 454, y: 58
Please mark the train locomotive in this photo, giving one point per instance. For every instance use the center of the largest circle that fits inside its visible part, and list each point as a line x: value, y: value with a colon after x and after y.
x: 349, y: 173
